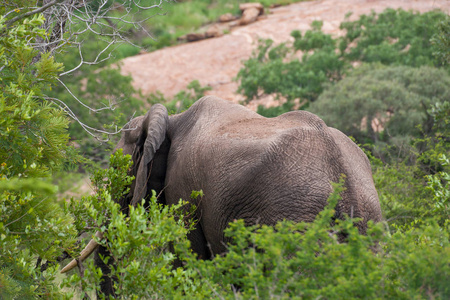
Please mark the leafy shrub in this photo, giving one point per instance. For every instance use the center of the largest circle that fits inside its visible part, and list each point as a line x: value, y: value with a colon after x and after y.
x: 416, y: 192
x: 139, y: 242
x: 441, y: 42
x: 267, y: 71
x: 402, y: 193
x: 439, y: 184
x: 393, y: 37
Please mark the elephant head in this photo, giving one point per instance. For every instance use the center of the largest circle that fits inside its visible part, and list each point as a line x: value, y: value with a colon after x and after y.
x: 142, y: 137
x: 145, y: 139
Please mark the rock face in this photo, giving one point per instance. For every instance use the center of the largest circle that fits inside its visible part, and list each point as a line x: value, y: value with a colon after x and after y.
x: 227, y: 18
x: 216, y: 61
x: 250, y: 12
x: 249, y: 16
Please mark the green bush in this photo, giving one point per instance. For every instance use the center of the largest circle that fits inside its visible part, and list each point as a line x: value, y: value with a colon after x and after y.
x: 267, y: 71
x: 402, y: 193
x: 439, y: 185
x: 393, y: 37
x: 441, y: 42
x: 33, y: 144
x: 139, y: 242
x: 396, y: 98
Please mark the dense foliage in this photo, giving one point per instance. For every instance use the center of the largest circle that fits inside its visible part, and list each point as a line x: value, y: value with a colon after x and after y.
x: 33, y: 143
x: 393, y: 37
x: 138, y: 242
x: 268, y: 72
x: 441, y: 41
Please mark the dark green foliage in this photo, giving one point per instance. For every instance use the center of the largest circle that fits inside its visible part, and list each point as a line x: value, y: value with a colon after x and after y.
x: 441, y: 41
x: 386, y: 105
x: 314, y: 39
x: 268, y: 73
x: 33, y: 144
x: 439, y: 185
x: 415, y: 193
x: 395, y: 37
x: 402, y: 194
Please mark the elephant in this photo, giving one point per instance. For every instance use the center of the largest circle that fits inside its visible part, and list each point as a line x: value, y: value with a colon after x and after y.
x: 262, y: 170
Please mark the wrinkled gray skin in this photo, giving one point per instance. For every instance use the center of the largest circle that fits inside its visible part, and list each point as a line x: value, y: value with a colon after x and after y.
x: 248, y: 166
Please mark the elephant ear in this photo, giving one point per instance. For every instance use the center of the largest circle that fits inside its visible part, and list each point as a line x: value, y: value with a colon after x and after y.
x: 153, y: 131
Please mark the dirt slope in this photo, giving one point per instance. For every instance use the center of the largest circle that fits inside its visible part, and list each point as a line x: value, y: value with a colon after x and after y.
x: 216, y: 61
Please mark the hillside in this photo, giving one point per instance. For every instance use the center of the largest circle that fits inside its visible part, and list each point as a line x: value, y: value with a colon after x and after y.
x: 216, y: 61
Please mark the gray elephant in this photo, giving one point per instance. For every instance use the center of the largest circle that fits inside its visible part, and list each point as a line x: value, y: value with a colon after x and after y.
x: 249, y: 167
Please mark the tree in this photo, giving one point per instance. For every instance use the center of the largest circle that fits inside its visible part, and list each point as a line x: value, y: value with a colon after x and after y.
x: 33, y: 143
x: 393, y: 37
x: 68, y: 24
x: 275, y: 69
x: 441, y: 41
x: 384, y: 105
x: 35, y: 231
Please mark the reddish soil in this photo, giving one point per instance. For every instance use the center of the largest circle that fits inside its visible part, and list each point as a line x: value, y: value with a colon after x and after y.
x: 216, y: 61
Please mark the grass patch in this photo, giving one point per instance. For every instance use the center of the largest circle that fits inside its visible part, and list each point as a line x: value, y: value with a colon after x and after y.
x: 184, y: 17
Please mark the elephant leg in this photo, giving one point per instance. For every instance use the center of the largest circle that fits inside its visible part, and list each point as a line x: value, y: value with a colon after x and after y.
x: 107, y: 283
x: 199, y: 244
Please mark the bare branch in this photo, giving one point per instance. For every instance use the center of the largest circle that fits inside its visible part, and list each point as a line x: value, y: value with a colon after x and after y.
x: 69, y: 23
x: 95, y: 110
x: 90, y: 130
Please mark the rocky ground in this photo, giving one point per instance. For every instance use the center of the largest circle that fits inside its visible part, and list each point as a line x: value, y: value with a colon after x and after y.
x: 216, y: 61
